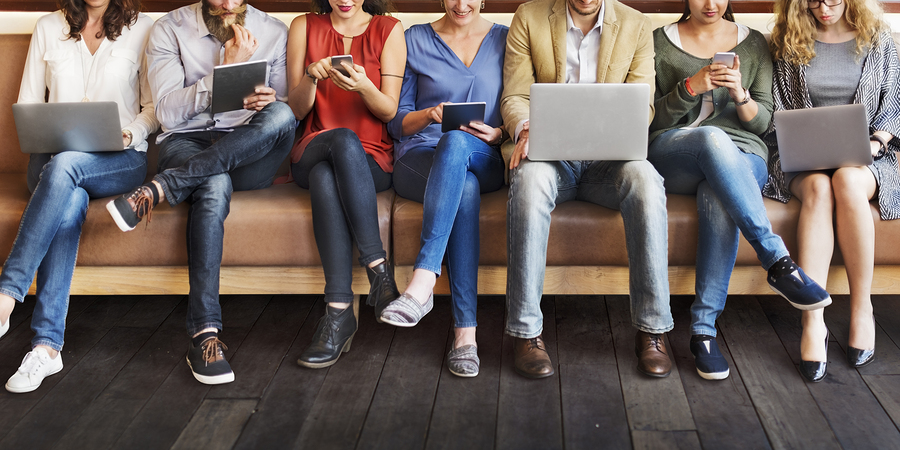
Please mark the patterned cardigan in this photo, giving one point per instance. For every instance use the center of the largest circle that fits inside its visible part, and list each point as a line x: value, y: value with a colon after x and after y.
x: 878, y: 90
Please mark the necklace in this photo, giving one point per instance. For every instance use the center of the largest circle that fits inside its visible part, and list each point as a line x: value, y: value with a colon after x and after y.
x: 84, y: 77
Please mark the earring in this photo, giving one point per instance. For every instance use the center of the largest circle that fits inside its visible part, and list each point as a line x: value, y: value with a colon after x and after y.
x: 482, y: 5
x: 442, y: 4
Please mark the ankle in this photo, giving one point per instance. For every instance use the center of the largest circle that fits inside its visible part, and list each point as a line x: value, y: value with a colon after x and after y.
x: 337, y: 305
x: 160, y: 194
x: 375, y: 263
x: 50, y: 350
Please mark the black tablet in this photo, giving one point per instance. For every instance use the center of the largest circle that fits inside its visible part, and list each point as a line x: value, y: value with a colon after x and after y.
x: 235, y: 82
x: 459, y: 114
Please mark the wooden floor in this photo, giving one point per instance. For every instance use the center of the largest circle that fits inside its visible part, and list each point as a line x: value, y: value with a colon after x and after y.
x: 126, y: 385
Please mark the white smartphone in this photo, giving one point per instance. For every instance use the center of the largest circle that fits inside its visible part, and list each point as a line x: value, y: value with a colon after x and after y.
x: 726, y: 58
x: 337, y: 60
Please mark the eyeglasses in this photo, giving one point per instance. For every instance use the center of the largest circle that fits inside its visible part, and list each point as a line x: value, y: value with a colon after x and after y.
x: 813, y: 4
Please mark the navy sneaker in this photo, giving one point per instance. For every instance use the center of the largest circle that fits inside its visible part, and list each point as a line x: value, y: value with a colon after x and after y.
x: 789, y: 281
x: 711, y: 365
x: 128, y: 209
x: 207, y: 361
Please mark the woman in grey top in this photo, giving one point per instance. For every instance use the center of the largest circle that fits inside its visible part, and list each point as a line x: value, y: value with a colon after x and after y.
x: 834, y: 52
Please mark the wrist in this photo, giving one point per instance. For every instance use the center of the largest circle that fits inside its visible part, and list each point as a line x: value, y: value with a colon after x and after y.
x: 745, y: 100
x: 882, y: 142
x: 314, y: 79
x: 129, y: 135
x: 687, y: 85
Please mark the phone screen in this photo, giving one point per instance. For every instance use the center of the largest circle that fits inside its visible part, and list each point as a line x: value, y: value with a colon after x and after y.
x: 337, y: 60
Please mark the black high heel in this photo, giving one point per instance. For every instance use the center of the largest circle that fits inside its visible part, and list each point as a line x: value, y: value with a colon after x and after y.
x: 333, y: 337
x: 858, y: 358
x: 815, y: 370
x: 383, y: 288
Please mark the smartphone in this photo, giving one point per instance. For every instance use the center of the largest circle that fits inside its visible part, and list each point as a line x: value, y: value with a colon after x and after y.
x: 337, y: 60
x: 726, y: 58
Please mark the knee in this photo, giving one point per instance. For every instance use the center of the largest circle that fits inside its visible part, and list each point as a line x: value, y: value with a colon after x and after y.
x: 471, y: 193
x: 642, y: 177
x: 279, y: 116
x: 214, y: 194
x: 321, y: 177
x: 819, y: 194
x: 453, y: 147
x: 76, y: 209
x: 532, y: 182
x: 848, y: 183
x: 61, y: 169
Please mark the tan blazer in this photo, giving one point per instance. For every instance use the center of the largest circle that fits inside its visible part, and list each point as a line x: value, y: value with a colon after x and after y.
x: 536, y: 52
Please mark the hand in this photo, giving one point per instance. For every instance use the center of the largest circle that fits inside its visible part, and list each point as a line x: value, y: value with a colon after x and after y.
x: 241, y: 47
x: 488, y: 134
x: 126, y: 138
x: 730, y: 79
x: 356, y: 82
x: 320, y: 69
x: 436, y: 113
x: 874, y: 147
x: 521, y: 151
x: 263, y: 96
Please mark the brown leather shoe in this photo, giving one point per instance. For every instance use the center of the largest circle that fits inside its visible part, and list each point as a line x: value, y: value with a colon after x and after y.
x: 653, y: 360
x: 532, y: 360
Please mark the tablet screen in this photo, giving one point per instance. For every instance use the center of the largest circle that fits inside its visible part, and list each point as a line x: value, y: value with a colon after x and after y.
x: 459, y: 114
x: 235, y: 82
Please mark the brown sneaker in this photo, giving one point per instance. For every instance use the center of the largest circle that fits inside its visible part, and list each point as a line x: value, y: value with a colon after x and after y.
x: 531, y: 358
x: 653, y: 359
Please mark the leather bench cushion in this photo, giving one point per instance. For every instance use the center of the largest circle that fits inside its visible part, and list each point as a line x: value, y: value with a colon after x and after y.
x: 13, y: 49
x: 583, y: 234
x: 267, y: 227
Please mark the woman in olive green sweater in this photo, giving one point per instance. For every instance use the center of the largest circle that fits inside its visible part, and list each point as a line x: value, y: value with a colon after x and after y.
x: 704, y: 141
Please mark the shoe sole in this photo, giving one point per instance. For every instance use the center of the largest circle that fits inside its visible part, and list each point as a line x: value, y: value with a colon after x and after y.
x: 533, y: 376
x: 216, y: 379
x: 399, y: 324
x: 655, y: 375
x: 27, y: 389
x: 114, y: 212
x: 714, y: 375
x: 802, y: 307
x: 322, y: 365
x: 466, y: 375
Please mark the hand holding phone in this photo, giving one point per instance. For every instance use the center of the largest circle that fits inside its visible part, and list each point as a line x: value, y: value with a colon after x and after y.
x: 724, y: 58
x: 338, y: 59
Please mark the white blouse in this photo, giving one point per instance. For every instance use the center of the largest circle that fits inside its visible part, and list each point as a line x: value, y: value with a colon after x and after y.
x: 115, y: 72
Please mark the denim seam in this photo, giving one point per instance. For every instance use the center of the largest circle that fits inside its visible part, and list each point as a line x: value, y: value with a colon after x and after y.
x: 465, y: 324
x: 203, y: 326
x: 16, y: 296
x: 653, y: 330
x: 522, y: 335
x: 46, y: 342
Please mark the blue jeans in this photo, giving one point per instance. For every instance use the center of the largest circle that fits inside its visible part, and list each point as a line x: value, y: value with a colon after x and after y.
x: 449, y: 180
x: 50, y: 230
x: 633, y: 187
x: 704, y: 161
x: 204, y: 168
x: 342, y: 181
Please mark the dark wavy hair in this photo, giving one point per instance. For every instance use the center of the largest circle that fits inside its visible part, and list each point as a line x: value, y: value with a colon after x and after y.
x: 119, y: 14
x: 729, y: 13
x: 373, y: 7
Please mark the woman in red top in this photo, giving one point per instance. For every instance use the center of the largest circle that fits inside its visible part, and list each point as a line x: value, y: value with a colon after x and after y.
x: 345, y: 155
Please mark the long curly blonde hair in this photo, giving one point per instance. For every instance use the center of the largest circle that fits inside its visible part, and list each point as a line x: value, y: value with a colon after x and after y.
x: 794, y: 33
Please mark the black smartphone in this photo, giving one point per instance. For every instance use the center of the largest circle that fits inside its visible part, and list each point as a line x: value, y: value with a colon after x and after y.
x: 337, y: 60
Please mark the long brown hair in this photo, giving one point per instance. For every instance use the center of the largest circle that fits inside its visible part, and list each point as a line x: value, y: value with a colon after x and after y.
x: 119, y: 14
x: 373, y: 7
x: 795, y: 30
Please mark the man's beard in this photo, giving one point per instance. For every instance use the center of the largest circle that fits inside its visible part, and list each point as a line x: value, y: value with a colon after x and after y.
x: 219, y: 26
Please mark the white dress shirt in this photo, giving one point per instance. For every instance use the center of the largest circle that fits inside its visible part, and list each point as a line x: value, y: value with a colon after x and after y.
x: 181, y: 56
x: 114, y: 73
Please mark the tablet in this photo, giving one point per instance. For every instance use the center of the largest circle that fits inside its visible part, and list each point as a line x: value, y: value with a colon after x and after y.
x: 233, y: 83
x: 459, y: 114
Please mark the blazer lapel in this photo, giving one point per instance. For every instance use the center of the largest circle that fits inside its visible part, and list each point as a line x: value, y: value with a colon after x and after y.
x: 558, y: 38
x: 607, y: 39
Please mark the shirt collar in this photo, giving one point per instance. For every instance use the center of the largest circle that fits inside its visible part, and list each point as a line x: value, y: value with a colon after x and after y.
x: 202, y: 30
x: 570, y: 24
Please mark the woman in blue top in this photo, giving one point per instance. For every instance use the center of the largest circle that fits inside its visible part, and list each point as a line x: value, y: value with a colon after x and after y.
x: 458, y: 58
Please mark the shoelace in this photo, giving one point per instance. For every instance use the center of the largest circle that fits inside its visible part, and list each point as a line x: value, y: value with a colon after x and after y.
x: 143, y: 203
x: 32, y: 364
x: 535, y: 343
x: 654, y: 341
x: 212, y: 350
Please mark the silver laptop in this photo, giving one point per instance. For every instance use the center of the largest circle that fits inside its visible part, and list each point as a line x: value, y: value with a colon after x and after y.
x: 590, y: 121
x: 60, y: 127
x: 827, y: 137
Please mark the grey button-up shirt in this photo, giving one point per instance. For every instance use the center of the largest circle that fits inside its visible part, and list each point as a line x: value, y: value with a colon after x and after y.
x: 181, y: 55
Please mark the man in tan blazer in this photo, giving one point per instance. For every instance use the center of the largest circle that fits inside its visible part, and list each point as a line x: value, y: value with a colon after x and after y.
x: 580, y: 41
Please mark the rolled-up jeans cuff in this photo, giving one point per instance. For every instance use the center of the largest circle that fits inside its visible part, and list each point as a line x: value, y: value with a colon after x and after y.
x: 524, y: 335
x: 47, y: 343
x: 652, y: 330
x: 198, y: 328
x: 15, y: 295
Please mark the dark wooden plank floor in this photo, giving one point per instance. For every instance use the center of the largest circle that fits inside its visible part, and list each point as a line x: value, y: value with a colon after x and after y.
x: 125, y: 383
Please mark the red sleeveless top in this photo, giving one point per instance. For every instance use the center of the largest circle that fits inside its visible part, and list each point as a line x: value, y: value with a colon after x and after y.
x: 337, y: 108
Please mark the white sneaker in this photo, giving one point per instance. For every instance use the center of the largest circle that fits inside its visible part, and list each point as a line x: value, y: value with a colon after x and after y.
x: 4, y: 327
x: 36, y: 365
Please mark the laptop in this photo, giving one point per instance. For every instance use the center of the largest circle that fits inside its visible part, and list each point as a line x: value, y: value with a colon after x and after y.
x: 826, y: 137
x: 60, y: 127
x: 589, y: 121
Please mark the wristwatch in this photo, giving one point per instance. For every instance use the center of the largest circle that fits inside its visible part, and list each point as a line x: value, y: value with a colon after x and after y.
x: 314, y: 79
x: 745, y: 100
x: 130, y: 137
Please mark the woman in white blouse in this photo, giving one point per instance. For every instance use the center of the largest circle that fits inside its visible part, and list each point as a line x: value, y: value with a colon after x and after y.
x: 89, y: 50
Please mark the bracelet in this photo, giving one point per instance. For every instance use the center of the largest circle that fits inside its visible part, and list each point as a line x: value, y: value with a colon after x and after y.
x: 881, y: 141
x: 315, y: 80
x: 687, y: 85
x: 745, y: 100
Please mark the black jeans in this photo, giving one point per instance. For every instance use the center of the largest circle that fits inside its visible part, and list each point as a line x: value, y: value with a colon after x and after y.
x: 342, y: 181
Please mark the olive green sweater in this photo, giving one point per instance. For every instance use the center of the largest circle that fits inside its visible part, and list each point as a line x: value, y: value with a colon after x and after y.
x: 676, y: 108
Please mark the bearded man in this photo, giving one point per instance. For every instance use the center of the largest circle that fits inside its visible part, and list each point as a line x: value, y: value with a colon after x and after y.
x: 204, y: 157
